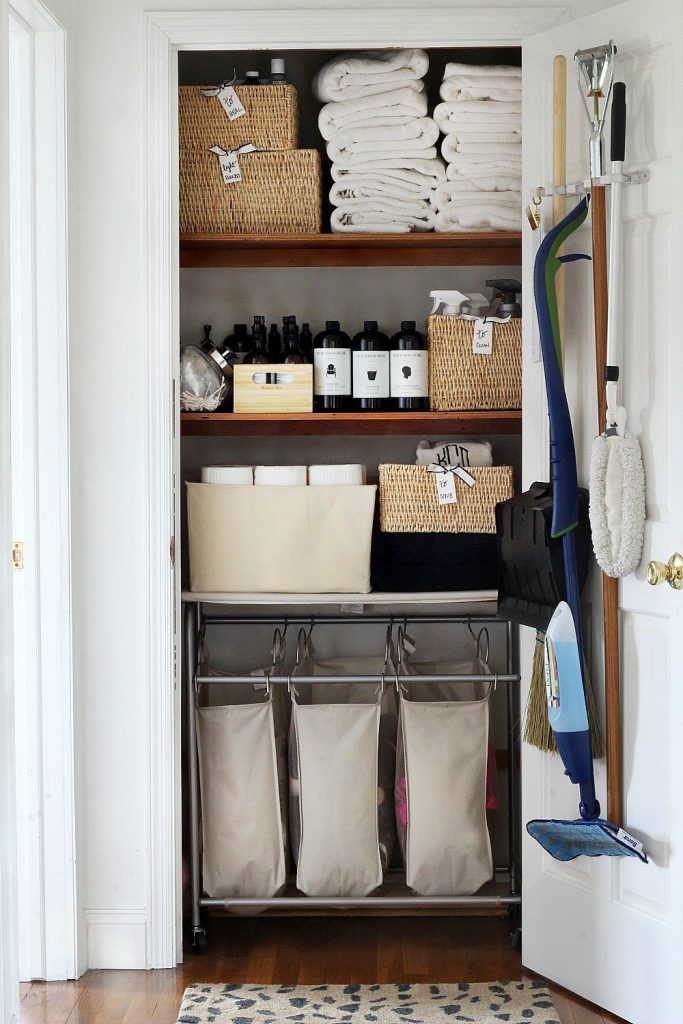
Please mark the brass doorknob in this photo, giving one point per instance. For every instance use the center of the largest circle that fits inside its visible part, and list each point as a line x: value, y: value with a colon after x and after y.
x: 671, y: 573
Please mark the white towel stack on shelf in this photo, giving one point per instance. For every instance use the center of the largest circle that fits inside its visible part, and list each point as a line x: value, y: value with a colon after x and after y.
x: 381, y: 143
x: 481, y: 118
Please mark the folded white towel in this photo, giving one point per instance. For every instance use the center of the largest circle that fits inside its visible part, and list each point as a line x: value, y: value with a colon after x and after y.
x: 455, y: 70
x: 417, y: 140
x: 484, y: 217
x: 466, y: 200
x: 280, y: 476
x: 469, y: 165
x: 480, y: 89
x: 454, y: 453
x: 354, y: 75
x: 418, y: 132
x: 324, y: 476
x: 509, y: 187
x: 417, y: 208
x: 425, y: 167
x: 380, y: 108
x: 451, y: 146
x: 377, y: 187
x: 379, y: 217
x: 464, y: 136
x: 467, y: 113
x: 239, y: 475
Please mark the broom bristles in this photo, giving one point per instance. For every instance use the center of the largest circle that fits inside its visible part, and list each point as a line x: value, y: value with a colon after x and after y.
x: 537, y: 729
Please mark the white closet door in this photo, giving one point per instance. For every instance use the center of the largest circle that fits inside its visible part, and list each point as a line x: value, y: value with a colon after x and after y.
x: 612, y: 929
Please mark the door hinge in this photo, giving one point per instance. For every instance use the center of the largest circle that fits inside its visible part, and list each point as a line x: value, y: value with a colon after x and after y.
x: 18, y: 554
x: 171, y: 551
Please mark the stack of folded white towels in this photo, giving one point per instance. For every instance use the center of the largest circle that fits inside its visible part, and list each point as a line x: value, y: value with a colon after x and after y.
x: 481, y: 119
x: 382, y: 145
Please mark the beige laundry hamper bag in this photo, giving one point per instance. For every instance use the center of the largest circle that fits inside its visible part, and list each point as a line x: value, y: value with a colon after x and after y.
x: 341, y: 778
x: 242, y: 748
x: 441, y: 779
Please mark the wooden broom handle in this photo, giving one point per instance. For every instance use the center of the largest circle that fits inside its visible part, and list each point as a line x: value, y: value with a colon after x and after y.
x: 610, y: 585
x: 560, y: 169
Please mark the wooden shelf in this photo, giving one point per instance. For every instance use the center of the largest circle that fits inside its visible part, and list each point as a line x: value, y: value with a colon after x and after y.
x: 230, y: 424
x: 413, y: 249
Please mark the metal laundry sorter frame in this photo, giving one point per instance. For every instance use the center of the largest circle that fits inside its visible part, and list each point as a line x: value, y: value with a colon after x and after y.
x: 196, y: 621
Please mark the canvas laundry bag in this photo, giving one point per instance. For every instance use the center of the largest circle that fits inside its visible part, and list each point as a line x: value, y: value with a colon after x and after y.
x: 341, y: 777
x: 441, y: 779
x: 242, y: 738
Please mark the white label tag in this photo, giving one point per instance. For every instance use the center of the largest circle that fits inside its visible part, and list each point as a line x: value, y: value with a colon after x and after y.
x: 231, y: 103
x: 482, y: 337
x: 629, y: 840
x: 445, y: 488
x: 230, y: 168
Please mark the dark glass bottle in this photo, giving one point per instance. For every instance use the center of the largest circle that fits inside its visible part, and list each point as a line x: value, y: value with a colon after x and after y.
x: 370, y: 369
x: 331, y: 369
x: 306, y: 343
x: 277, y: 71
x: 292, y: 353
x: 274, y: 344
x: 259, y: 352
x: 409, y: 370
x: 251, y: 78
x: 240, y: 342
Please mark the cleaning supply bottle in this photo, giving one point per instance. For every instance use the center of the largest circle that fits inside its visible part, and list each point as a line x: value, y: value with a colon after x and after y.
x: 277, y: 71
x: 331, y: 369
x: 306, y: 343
x: 370, y: 369
x: 259, y: 352
x: 447, y: 303
x: 240, y: 341
x: 274, y: 344
x: 291, y: 335
x: 505, y: 292
x: 409, y: 370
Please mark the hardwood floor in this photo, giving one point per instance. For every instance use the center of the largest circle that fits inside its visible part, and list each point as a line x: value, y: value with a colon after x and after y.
x: 305, y: 950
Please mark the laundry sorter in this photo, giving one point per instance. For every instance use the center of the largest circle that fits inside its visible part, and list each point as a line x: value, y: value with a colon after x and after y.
x: 202, y: 614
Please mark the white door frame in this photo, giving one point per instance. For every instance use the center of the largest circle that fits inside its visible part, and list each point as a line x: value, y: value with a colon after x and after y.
x: 235, y: 28
x: 43, y: 678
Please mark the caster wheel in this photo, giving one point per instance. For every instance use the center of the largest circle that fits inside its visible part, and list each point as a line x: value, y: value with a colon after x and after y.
x: 516, y: 940
x: 199, y: 943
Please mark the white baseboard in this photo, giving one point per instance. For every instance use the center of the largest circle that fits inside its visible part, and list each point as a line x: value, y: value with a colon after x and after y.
x: 117, y: 939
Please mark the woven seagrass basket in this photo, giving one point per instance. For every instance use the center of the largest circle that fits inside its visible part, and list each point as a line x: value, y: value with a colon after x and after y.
x: 279, y: 193
x: 271, y: 120
x: 408, y: 500
x: 459, y: 379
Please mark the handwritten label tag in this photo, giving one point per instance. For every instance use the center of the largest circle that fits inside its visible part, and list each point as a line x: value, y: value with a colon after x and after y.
x: 230, y: 102
x: 230, y: 167
x: 482, y: 337
x: 445, y: 488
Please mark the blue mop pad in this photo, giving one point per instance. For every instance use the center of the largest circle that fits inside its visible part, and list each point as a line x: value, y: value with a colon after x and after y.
x: 566, y: 840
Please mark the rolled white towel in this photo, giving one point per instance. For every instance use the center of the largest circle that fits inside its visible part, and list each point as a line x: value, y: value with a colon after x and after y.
x: 280, y: 476
x: 427, y: 167
x: 454, y: 453
x: 417, y: 173
x: 239, y: 475
x: 380, y: 108
x: 469, y: 190
x: 485, y: 217
x: 323, y: 476
x: 419, y: 133
x: 354, y: 75
x: 451, y: 147
x: 380, y: 187
x: 379, y: 217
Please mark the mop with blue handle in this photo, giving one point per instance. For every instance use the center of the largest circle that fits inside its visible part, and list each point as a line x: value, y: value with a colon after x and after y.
x: 590, y: 835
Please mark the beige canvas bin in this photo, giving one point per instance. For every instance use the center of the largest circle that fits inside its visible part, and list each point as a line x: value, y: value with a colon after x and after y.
x: 280, y: 539
x: 280, y: 193
x: 459, y: 379
x: 408, y: 500
x: 270, y: 121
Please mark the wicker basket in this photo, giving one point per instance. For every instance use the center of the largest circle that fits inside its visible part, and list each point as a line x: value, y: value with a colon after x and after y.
x: 459, y: 379
x: 271, y: 120
x: 280, y: 193
x: 408, y: 500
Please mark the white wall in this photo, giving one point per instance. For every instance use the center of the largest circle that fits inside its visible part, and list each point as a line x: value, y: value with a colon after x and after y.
x: 108, y: 331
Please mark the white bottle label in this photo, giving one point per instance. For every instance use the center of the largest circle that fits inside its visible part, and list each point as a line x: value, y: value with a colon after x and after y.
x: 409, y: 373
x: 370, y: 374
x: 332, y: 371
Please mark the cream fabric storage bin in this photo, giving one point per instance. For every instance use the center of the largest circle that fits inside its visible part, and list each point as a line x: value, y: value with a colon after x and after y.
x: 242, y: 749
x: 280, y: 539
x: 441, y: 774
x: 341, y: 776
